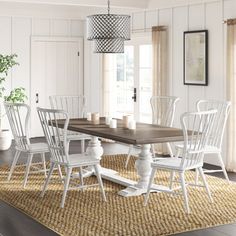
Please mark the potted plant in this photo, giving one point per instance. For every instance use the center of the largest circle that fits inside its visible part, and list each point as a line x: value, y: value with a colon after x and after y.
x: 16, y: 95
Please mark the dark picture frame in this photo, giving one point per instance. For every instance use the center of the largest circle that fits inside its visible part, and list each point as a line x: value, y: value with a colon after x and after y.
x: 196, y: 57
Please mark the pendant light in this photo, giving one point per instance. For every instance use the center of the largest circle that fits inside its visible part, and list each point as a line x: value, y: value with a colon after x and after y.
x: 108, y: 31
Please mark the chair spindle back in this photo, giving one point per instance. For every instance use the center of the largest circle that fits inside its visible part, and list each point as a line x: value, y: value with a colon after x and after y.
x: 223, y: 109
x: 18, y: 116
x: 163, y: 109
x: 50, y: 119
x: 196, y: 127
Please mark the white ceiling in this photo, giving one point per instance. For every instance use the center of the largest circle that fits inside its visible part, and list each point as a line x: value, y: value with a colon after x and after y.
x: 134, y: 4
x: 91, y: 6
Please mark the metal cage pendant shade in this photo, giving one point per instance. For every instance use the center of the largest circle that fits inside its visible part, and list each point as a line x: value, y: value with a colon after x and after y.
x: 108, y: 31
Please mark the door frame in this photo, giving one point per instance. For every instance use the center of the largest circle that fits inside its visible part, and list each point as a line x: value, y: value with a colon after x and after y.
x: 45, y: 39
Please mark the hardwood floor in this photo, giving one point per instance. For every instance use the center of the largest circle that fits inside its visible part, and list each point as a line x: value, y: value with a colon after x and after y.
x: 15, y: 223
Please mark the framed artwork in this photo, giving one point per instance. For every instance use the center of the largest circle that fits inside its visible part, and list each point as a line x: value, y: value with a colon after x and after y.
x: 196, y: 57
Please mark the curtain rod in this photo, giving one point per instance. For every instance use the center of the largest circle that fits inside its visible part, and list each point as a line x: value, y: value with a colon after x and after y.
x: 230, y: 21
x: 159, y: 28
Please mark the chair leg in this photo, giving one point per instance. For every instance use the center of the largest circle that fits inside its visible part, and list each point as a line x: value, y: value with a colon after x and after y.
x: 66, y: 185
x: 153, y: 150
x: 169, y: 149
x: 81, y: 176
x: 68, y: 145
x: 205, y: 183
x: 196, y: 176
x: 100, y: 182
x: 60, y: 173
x: 172, y: 178
x: 184, y: 190
x: 223, y: 166
x: 149, y: 186
x: 178, y: 152
x: 29, y: 161
x: 44, y: 164
x: 82, y: 146
x: 13, y: 165
x: 129, y: 154
x: 48, y: 179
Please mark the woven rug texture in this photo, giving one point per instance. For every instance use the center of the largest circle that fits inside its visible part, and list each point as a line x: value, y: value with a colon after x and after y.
x: 85, y: 213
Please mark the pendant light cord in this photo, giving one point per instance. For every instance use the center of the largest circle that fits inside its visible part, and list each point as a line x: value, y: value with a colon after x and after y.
x: 108, y: 3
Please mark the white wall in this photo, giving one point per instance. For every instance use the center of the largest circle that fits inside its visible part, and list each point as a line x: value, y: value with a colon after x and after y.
x: 92, y: 78
x: 208, y: 15
x: 16, y: 31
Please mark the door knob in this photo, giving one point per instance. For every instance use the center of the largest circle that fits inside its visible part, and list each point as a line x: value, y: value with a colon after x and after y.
x: 135, y: 95
x: 37, y: 98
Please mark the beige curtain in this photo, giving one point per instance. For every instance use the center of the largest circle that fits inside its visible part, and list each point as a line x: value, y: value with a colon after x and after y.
x: 160, y: 69
x: 160, y: 53
x: 231, y: 94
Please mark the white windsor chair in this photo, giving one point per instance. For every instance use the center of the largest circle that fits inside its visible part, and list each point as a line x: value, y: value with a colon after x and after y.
x: 163, y: 111
x: 18, y: 116
x: 75, y: 105
x: 196, y: 130
x: 214, y: 145
x: 59, y: 151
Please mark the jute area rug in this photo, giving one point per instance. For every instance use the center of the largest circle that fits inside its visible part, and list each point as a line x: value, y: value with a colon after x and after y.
x: 86, y: 214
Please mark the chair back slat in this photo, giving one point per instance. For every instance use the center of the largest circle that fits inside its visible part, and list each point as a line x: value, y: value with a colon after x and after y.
x: 163, y: 109
x: 197, y: 127
x: 18, y: 116
x: 49, y: 119
x: 223, y: 109
x: 74, y: 105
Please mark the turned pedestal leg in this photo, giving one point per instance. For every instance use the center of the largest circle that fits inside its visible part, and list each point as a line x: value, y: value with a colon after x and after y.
x: 143, y: 167
x: 94, y: 150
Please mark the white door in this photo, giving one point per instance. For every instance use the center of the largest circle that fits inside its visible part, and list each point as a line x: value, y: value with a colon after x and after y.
x: 56, y: 69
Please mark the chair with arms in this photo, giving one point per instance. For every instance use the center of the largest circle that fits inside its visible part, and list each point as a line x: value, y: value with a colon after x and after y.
x: 163, y: 110
x: 59, y: 151
x: 196, y: 130
x: 214, y: 145
x: 75, y: 106
x: 18, y: 116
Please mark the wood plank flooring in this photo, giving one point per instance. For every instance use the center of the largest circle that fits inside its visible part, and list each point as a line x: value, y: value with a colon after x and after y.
x: 15, y: 223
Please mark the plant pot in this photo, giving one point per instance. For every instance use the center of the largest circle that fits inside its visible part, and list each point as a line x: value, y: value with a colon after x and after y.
x: 5, y: 139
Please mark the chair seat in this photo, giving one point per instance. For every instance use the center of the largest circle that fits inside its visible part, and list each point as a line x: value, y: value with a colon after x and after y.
x: 211, y: 149
x: 171, y: 164
x: 208, y: 149
x: 80, y: 160
x: 35, y: 148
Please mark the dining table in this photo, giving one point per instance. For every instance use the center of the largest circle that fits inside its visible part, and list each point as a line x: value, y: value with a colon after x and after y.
x: 144, y: 135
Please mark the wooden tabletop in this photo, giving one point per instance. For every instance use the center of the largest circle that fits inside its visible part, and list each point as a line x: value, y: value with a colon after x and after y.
x: 144, y: 133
